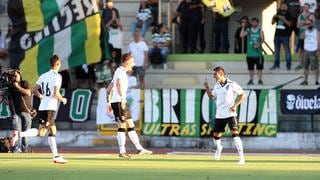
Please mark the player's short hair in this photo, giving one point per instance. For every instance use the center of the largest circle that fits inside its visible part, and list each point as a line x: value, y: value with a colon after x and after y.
x: 54, y: 59
x: 125, y: 57
x: 219, y: 69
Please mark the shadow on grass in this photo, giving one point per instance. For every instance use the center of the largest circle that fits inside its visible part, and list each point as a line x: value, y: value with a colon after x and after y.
x: 157, y: 159
x: 193, y: 160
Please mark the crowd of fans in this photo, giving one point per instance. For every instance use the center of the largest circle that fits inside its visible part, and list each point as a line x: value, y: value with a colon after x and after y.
x: 146, y: 20
x: 302, y: 19
x: 293, y: 16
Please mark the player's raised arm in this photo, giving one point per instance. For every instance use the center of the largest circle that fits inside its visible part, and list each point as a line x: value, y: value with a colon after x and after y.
x: 206, y: 86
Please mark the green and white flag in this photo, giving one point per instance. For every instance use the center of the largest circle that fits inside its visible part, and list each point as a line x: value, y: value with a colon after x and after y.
x: 72, y: 29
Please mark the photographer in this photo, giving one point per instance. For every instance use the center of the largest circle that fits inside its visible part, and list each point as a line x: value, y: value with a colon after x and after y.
x: 18, y: 98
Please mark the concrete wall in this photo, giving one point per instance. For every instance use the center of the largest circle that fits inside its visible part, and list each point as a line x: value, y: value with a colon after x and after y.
x: 284, y: 141
x: 4, y: 20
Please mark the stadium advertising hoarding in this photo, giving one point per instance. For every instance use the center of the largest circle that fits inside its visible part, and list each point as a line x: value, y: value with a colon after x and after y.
x: 190, y: 113
x: 77, y: 109
x: 300, y: 101
x: 105, y: 117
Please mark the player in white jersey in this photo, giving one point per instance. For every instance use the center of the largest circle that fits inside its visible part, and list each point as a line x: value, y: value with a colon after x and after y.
x: 117, y: 101
x: 49, y: 84
x: 226, y: 92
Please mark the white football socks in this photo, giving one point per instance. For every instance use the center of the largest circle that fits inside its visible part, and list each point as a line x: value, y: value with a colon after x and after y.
x: 135, y: 139
x: 217, y: 142
x: 121, y: 137
x: 239, y: 146
x: 53, y: 145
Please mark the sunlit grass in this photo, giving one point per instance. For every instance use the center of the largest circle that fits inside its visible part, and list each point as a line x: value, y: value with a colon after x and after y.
x: 109, y: 166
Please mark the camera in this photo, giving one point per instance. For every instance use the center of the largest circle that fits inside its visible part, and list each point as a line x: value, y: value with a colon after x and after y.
x: 6, y: 81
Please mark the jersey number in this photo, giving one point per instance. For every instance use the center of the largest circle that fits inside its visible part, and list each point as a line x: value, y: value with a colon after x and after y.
x: 45, y: 89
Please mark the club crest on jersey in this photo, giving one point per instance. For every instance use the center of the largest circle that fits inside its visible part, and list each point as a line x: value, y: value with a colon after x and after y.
x: 227, y: 87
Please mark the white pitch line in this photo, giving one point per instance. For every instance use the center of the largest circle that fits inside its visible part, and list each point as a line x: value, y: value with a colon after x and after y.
x: 250, y: 154
x: 12, y: 160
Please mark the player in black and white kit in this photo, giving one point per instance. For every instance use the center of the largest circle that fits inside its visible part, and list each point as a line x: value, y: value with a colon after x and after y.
x: 117, y: 100
x: 49, y: 83
x: 226, y: 92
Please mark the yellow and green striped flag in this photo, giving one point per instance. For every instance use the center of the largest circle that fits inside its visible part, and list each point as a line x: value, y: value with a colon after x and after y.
x: 72, y: 29
x: 223, y: 7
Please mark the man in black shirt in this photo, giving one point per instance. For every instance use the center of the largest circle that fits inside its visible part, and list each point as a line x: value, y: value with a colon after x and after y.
x: 110, y: 16
x: 19, y: 96
x: 197, y: 25
x: 111, y: 19
x: 240, y: 43
x: 221, y: 32
x: 185, y: 14
x: 282, y: 35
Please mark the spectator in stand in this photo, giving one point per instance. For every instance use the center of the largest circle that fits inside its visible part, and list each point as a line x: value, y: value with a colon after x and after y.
x: 143, y: 16
x: 254, y: 49
x: 4, y: 45
x: 184, y: 13
x: 110, y: 16
x: 301, y: 25
x: 282, y: 35
x: 313, y: 4
x: 113, y: 64
x: 8, y: 35
x: 4, y: 60
x: 197, y: 26
x: 2, y: 40
x: 317, y: 16
x: 240, y: 44
x: 139, y: 50
x: 311, y: 51
x: 294, y: 9
x: 132, y: 81
x: 85, y: 76
x: 111, y: 19
x: 161, y: 40
x: 65, y: 75
x: 154, y: 6
x: 221, y: 30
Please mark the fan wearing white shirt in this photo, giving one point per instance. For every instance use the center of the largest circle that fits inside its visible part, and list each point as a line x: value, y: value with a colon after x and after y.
x: 49, y: 83
x: 139, y: 50
x: 117, y: 91
x: 226, y: 92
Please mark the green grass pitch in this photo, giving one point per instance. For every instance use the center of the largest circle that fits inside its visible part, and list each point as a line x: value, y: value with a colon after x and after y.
x: 162, y: 167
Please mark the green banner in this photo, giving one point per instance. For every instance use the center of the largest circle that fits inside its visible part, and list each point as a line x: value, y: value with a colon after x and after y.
x: 190, y: 113
x: 78, y: 108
